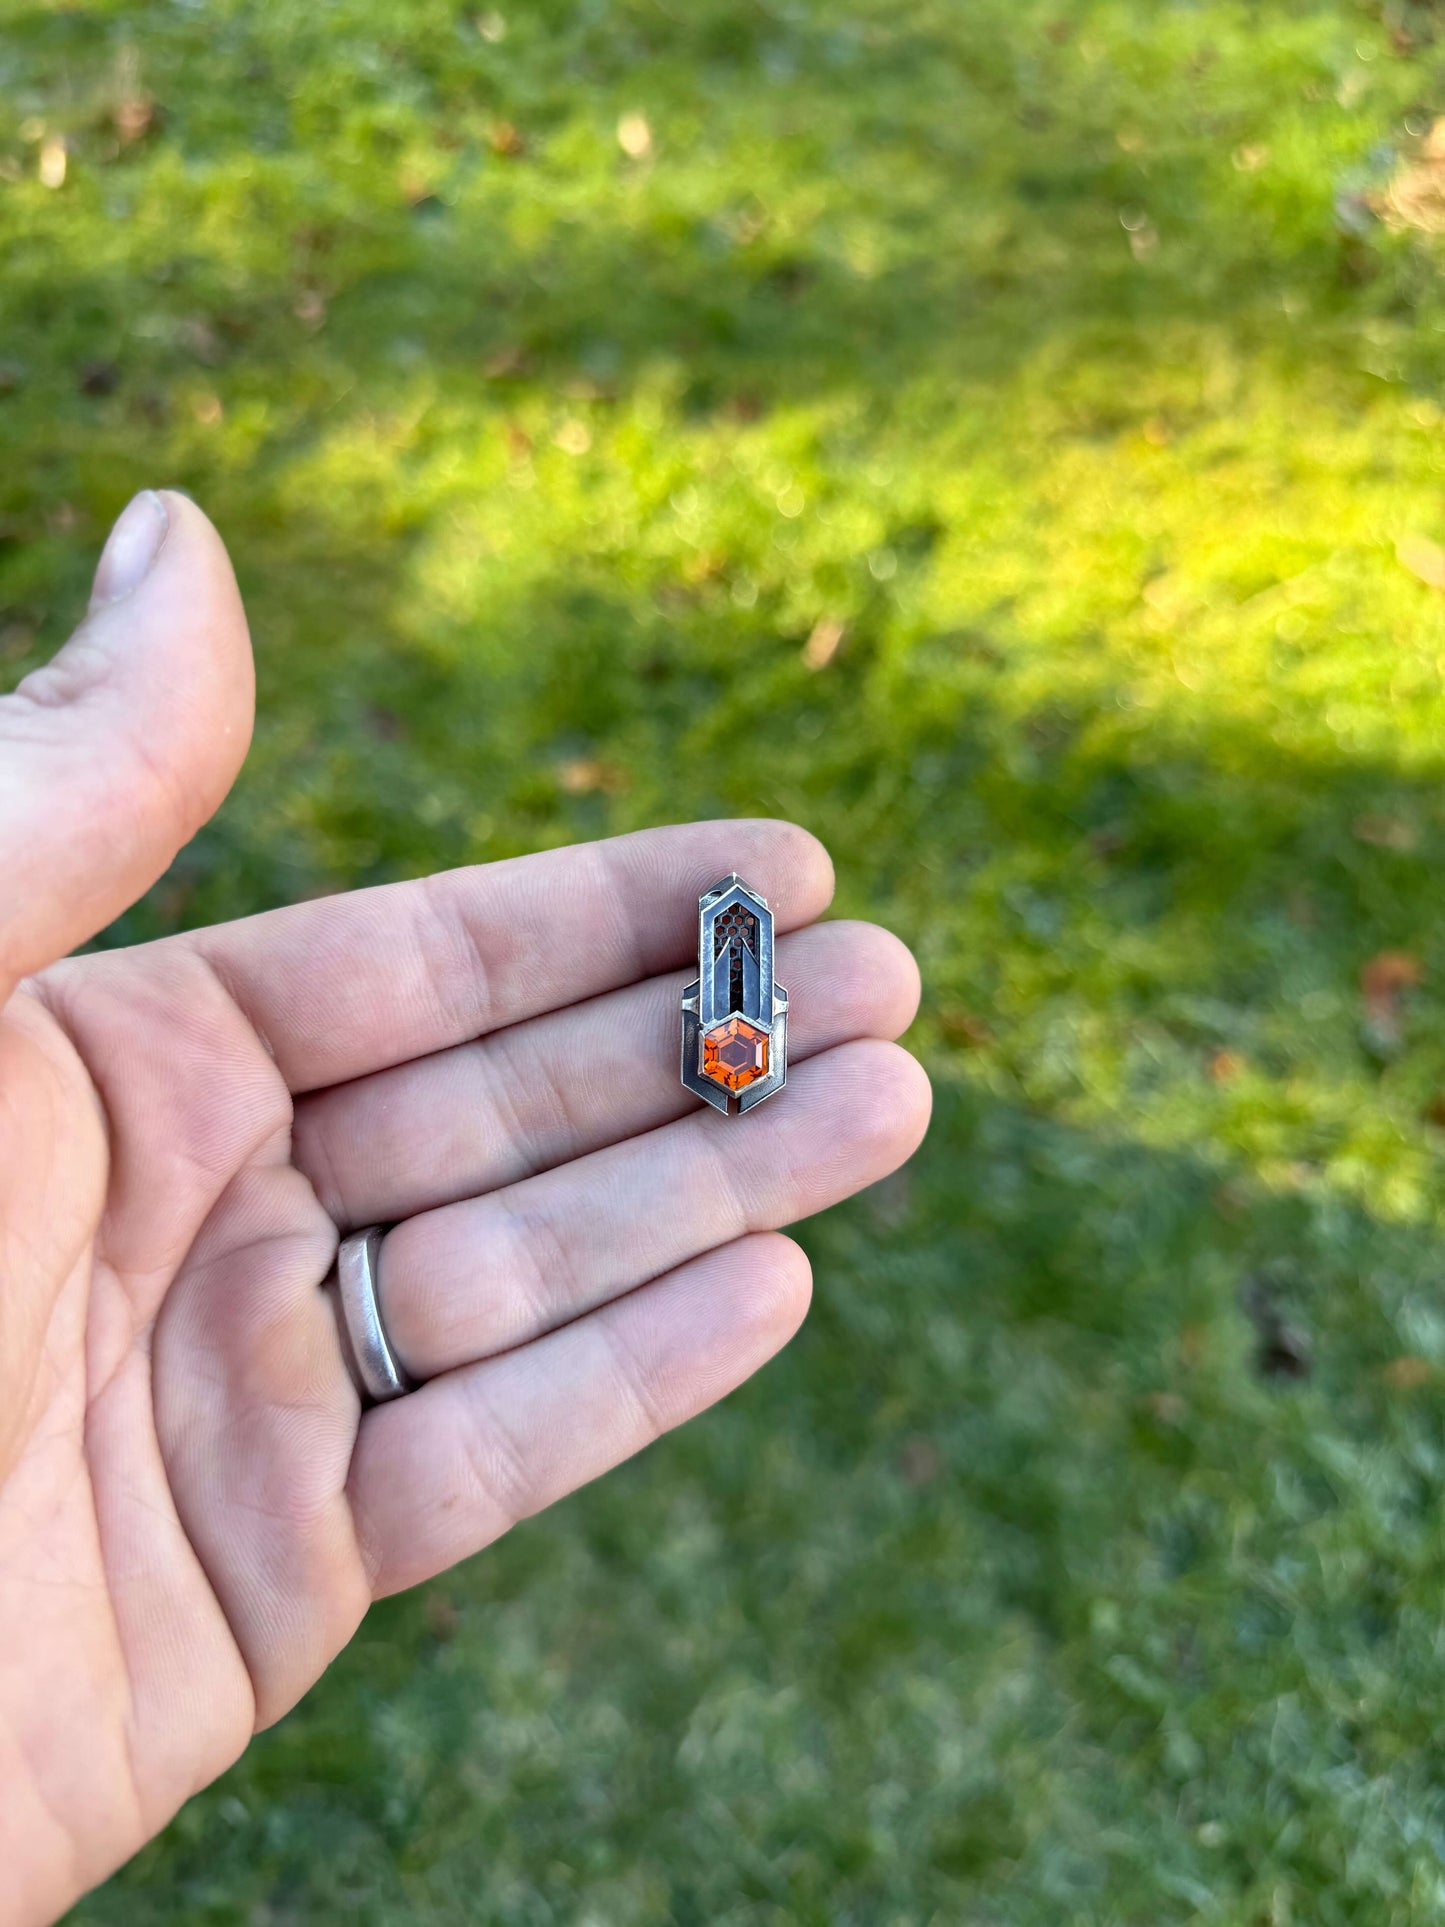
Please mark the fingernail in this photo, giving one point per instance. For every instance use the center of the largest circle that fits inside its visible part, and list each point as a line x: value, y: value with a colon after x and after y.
x: 131, y: 549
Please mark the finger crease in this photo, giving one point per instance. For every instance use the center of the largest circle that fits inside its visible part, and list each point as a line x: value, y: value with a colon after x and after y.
x: 633, y: 1381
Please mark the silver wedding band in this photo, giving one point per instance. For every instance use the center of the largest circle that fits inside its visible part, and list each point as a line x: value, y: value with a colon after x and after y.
x: 374, y: 1363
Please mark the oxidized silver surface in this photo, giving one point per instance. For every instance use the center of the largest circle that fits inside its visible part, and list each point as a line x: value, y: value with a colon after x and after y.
x: 735, y: 1003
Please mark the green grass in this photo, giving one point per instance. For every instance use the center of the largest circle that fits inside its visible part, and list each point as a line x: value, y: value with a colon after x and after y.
x: 1083, y: 1560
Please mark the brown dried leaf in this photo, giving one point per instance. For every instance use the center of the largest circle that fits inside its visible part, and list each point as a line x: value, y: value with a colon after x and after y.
x: 1415, y: 198
x: 1166, y: 1407
x: 442, y: 1617
x: 385, y: 724
x: 132, y: 118
x: 919, y: 1461
x: 198, y: 336
x: 744, y: 407
x: 1193, y: 1341
x: 963, y: 1028
x: 1383, y: 981
x: 1226, y: 1066
x: 1408, y: 1374
x: 824, y: 643
x: 1386, y: 975
x: 506, y: 140
x: 584, y: 776
x: 634, y: 136
x: 1385, y: 832
x: 507, y: 364
x: 53, y: 161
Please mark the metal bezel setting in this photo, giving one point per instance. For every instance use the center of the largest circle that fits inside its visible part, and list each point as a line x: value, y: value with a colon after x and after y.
x: 714, y: 997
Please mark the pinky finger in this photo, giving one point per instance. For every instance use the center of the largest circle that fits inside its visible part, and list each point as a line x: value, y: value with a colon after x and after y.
x: 440, y: 1474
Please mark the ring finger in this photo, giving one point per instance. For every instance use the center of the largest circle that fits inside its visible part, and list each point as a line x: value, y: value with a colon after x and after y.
x: 468, y: 1280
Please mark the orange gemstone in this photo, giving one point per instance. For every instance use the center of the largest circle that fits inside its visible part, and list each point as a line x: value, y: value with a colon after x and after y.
x: 735, y: 1054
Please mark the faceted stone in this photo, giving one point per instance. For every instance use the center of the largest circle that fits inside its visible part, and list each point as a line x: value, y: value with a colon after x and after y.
x: 735, y: 1054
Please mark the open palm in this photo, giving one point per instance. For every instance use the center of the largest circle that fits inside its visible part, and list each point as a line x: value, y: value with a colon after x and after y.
x: 195, y: 1512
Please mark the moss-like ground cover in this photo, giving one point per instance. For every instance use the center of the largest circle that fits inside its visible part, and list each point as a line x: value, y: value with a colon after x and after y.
x: 1007, y: 437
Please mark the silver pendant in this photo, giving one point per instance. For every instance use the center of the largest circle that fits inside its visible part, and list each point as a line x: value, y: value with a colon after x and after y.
x: 735, y: 1017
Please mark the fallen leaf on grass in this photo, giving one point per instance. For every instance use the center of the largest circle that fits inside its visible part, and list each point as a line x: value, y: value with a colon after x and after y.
x: 1225, y: 1066
x: 1415, y: 197
x: 198, y: 337
x: 744, y: 407
x: 385, y: 724
x: 442, y: 1617
x: 1193, y: 1340
x: 1385, y: 832
x: 1383, y: 981
x: 919, y: 1461
x: 134, y: 110
x: 634, y: 136
x: 507, y: 363
x: 506, y: 140
x: 584, y: 776
x: 1424, y: 559
x: 964, y: 1028
x: 1408, y: 1374
x: 1386, y: 975
x: 132, y: 118
x: 53, y: 161
x: 824, y: 642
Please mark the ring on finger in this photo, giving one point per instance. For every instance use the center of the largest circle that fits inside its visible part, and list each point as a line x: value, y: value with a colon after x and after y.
x: 378, y: 1373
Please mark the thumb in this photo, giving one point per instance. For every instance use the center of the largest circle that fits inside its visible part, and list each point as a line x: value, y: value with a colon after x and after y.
x: 113, y: 754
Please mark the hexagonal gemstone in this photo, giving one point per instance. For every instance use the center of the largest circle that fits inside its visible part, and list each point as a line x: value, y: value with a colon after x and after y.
x: 735, y: 1054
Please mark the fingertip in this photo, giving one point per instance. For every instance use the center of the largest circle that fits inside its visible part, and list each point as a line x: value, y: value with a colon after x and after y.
x: 896, y: 1101
x: 788, y: 864
x: 779, y: 1279
x: 876, y: 975
x: 196, y: 629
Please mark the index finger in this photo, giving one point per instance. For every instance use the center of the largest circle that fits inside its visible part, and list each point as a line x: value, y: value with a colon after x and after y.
x: 351, y: 984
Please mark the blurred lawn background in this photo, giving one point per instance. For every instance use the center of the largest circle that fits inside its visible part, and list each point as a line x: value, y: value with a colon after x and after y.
x: 1007, y: 437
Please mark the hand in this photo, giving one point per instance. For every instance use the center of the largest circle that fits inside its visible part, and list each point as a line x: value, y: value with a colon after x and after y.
x: 194, y: 1511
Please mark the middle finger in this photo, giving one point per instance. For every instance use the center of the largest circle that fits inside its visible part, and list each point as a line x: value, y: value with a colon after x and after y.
x: 522, y: 1100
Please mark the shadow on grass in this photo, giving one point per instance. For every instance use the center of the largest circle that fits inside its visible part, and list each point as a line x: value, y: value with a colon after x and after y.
x: 1017, y: 1541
